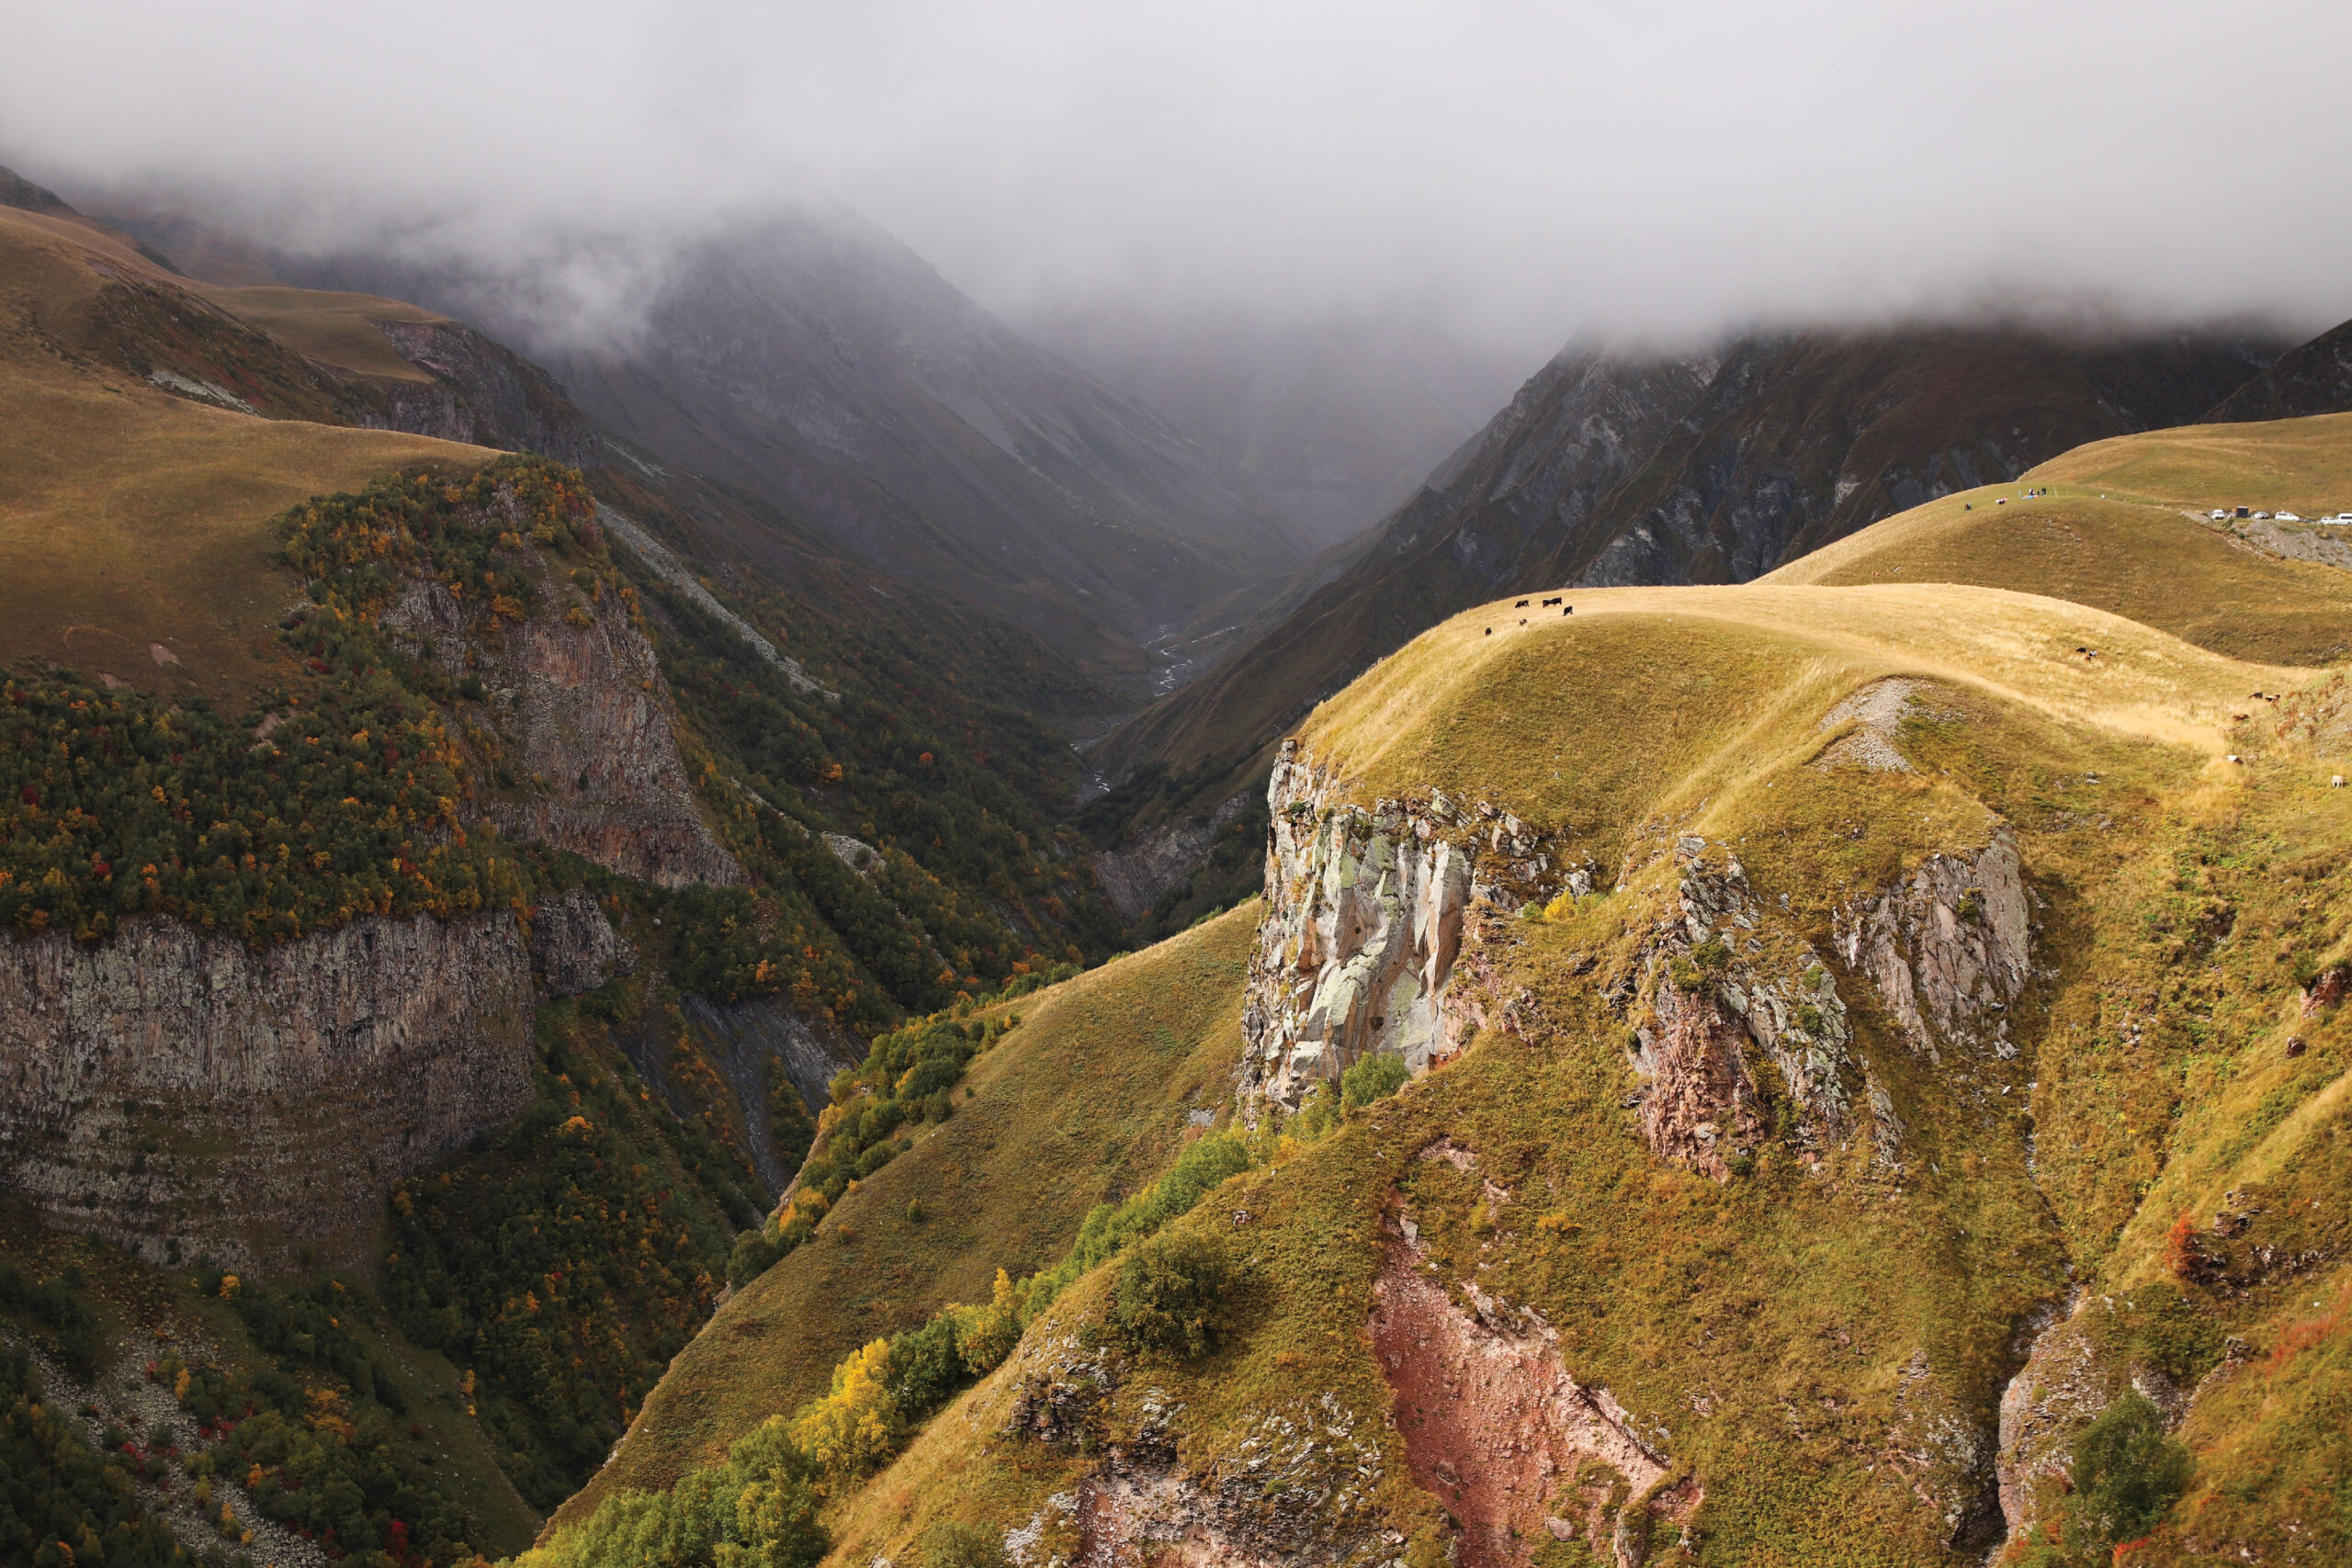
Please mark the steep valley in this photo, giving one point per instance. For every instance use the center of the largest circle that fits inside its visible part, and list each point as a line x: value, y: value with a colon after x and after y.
x: 556, y: 1004
x: 430, y: 898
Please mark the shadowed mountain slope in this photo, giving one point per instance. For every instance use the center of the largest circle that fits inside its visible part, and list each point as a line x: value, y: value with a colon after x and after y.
x: 813, y: 361
x: 2313, y: 380
x: 1337, y: 421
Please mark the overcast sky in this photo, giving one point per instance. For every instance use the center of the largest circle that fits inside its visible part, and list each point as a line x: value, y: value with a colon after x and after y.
x: 1530, y: 169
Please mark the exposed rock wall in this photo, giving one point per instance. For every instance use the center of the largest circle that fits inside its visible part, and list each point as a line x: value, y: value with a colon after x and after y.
x: 1497, y: 1429
x: 1134, y: 879
x: 1364, y: 922
x: 744, y: 1038
x: 189, y: 1098
x: 483, y: 393
x: 573, y: 946
x: 1948, y: 949
x: 1727, y: 977
x: 578, y: 694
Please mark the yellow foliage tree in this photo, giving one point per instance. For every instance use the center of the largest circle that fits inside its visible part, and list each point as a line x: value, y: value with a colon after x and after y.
x: 853, y: 1430
x: 985, y: 1335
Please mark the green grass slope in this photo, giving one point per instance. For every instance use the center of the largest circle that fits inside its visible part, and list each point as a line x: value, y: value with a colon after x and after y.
x: 1087, y: 1100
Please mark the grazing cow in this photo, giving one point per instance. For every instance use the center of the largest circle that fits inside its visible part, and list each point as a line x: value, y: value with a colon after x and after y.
x: 1569, y: 610
x: 1521, y: 605
x: 1523, y: 620
x: 1490, y: 631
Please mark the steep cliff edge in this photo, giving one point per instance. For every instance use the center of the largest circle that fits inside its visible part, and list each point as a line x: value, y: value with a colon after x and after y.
x: 195, y: 1100
x: 576, y: 689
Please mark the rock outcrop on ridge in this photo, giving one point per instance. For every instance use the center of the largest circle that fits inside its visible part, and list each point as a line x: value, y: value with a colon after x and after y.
x: 578, y: 692
x: 1364, y: 922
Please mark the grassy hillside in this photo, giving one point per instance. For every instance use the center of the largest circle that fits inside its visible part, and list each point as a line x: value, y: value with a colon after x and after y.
x: 1780, y: 1335
x: 2113, y: 530
x: 132, y: 519
x: 334, y: 329
x: 2303, y: 465
x: 1087, y: 1100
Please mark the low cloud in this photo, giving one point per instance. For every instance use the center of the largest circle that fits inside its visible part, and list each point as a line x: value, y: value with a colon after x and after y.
x: 1525, y: 169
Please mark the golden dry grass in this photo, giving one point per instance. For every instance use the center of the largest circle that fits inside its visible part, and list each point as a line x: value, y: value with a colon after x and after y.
x: 131, y: 519
x: 2303, y: 465
x: 1646, y: 691
x: 1085, y: 1102
x: 2115, y: 532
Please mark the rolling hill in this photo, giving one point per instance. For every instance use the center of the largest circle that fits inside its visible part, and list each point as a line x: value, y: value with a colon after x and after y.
x: 1712, y: 467
x: 1866, y: 1034
x: 134, y: 517
x: 2122, y: 526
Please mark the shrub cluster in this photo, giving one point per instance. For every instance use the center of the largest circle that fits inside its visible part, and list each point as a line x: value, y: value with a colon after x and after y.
x: 1173, y: 1297
x: 756, y: 1510
x: 117, y: 803
x: 2125, y: 1475
x: 880, y: 1393
x: 906, y: 1078
x: 319, y: 1438
x: 357, y: 549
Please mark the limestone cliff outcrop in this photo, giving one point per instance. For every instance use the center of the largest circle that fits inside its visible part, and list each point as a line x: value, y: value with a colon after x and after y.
x: 191, y: 1098
x: 1365, y: 920
x: 577, y: 693
x: 1948, y: 949
x: 1727, y: 977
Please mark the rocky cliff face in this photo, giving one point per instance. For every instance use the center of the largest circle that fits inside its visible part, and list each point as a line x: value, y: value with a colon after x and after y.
x: 482, y: 394
x: 1738, y: 1007
x: 1366, y: 921
x: 578, y: 694
x: 1948, y: 949
x: 1135, y: 878
x: 189, y: 1098
x: 573, y: 946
